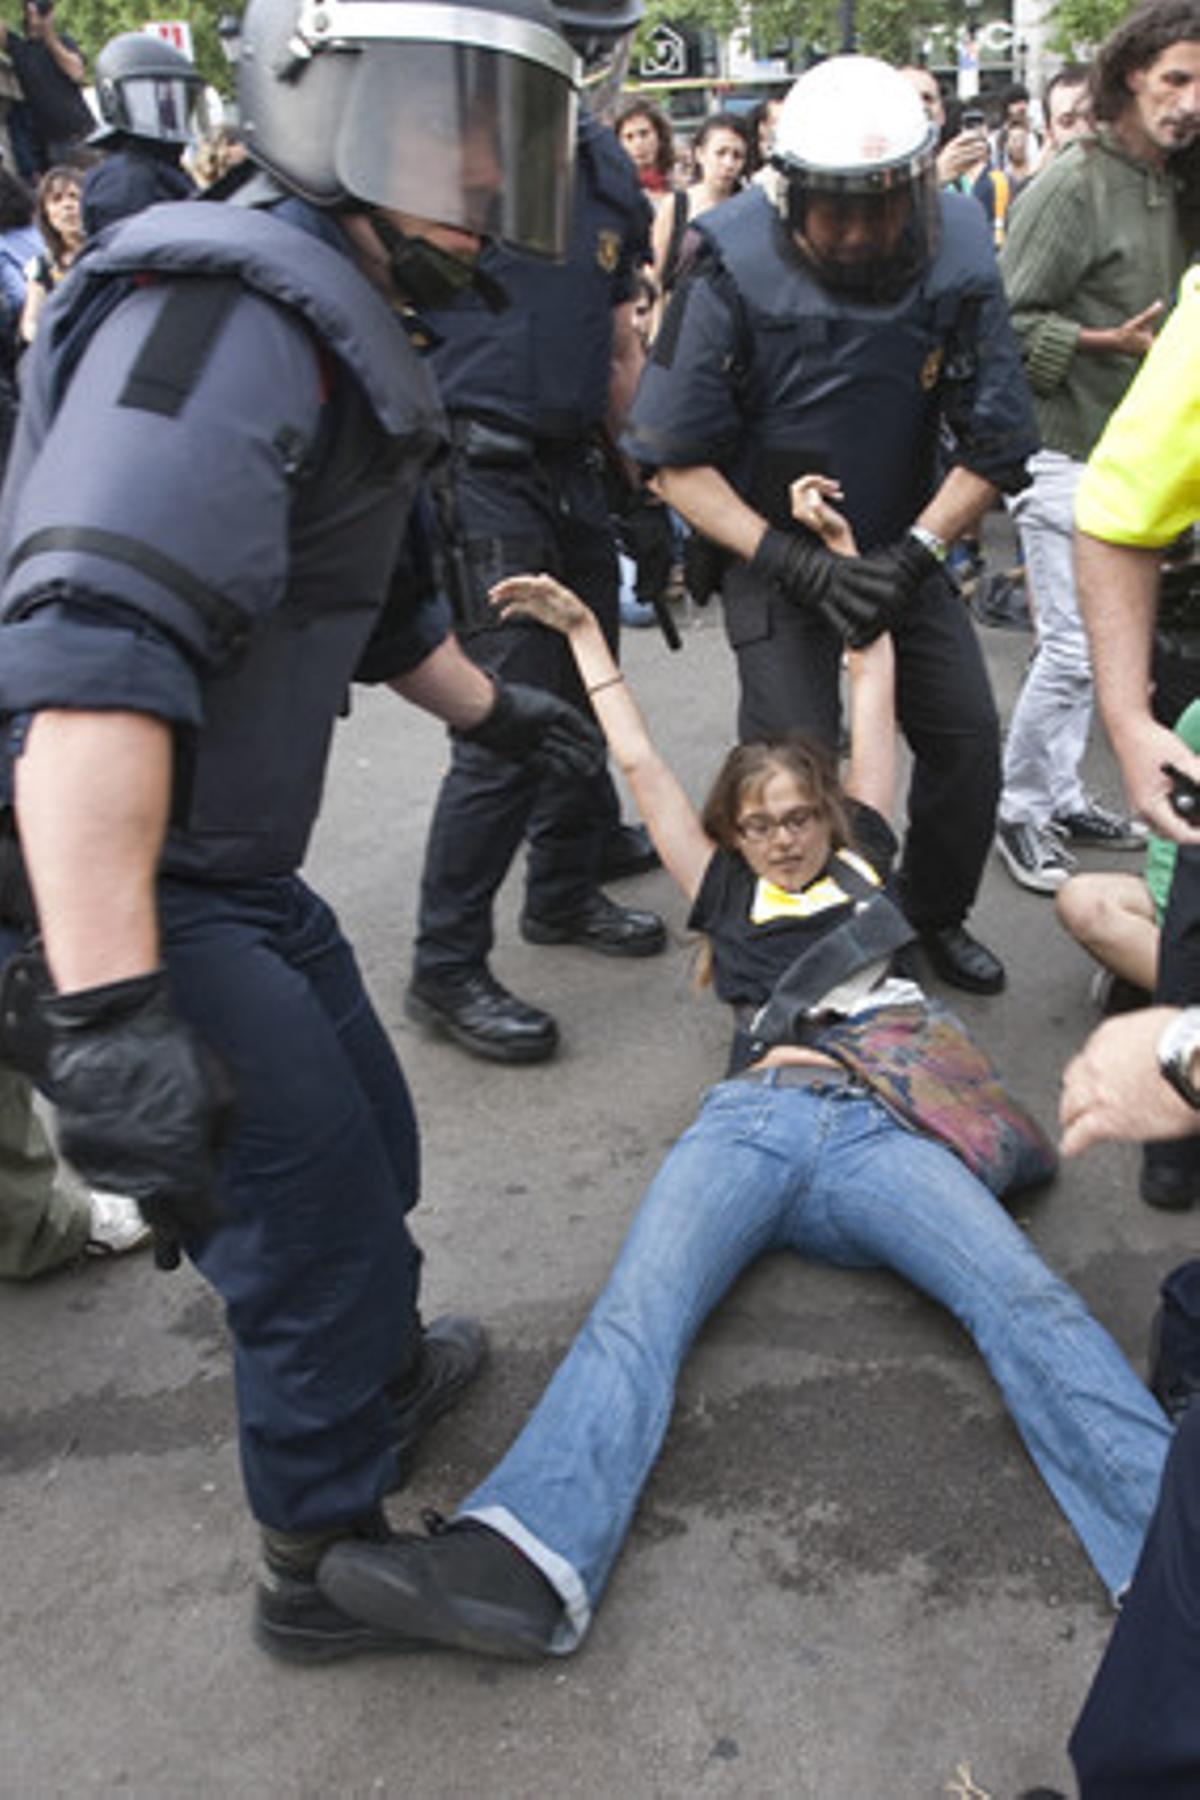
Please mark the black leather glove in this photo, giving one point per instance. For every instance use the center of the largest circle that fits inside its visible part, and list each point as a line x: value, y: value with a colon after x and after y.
x: 859, y: 596
x: 143, y: 1108
x: 528, y: 725
x: 648, y: 538
x: 908, y: 563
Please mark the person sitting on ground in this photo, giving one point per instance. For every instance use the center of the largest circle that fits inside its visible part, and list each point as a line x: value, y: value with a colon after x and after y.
x: 1118, y: 918
x: 790, y: 1151
x: 47, y: 1219
x: 61, y: 225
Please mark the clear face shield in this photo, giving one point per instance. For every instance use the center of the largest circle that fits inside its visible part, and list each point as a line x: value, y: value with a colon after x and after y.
x: 166, y: 109
x: 869, y: 235
x: 456, y: 115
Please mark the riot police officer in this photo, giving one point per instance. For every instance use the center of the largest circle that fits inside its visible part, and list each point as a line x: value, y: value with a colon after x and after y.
x: 146, y: 91
x: 527, y: 390
x: 837, y: 325
x: 203, y: 538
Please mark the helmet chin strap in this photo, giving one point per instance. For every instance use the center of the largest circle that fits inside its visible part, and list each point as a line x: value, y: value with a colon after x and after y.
x: 430, y: 277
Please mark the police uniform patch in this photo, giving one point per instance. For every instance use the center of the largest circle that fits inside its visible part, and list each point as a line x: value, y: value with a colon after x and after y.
x: 608, y: 250
x: 931, y: 368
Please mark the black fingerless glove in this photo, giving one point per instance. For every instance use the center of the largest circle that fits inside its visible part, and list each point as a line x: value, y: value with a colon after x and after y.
x: 143, y: 1107
x: 529, y: 725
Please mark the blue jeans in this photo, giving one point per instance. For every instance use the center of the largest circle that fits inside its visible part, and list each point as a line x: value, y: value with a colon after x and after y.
x: 315, y: 1263
x: 828, y: 1172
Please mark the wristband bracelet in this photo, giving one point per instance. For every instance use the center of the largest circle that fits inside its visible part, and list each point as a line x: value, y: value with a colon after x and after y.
x: 601, y: 685
x: 929, y: 540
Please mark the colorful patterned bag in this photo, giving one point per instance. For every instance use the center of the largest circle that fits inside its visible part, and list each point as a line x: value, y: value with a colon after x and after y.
x: 927, y: 1070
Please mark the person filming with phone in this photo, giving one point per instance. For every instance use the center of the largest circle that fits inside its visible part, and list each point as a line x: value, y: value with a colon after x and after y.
x: 49, y: 66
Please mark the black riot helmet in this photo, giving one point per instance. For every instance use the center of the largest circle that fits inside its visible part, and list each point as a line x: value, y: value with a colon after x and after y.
x: 145, y: 88
x: 460, y: 113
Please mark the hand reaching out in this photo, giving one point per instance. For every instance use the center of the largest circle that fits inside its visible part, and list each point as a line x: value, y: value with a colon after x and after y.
x: 542, y: 598
x: 810, y: 496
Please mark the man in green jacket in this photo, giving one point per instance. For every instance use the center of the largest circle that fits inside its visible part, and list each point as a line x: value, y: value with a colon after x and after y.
x: 1095, y: 251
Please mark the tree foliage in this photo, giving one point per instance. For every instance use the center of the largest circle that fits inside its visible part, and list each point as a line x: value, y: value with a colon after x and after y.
x: 1080, y: 26
x: 92, y: 22
x: 886, y: 28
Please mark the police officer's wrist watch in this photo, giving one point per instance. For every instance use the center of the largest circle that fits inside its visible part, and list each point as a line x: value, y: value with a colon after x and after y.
x: 929, y: 540
x: 1177, y: 1048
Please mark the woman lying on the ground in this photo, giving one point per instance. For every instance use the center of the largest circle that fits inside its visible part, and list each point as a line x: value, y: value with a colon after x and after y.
x: 789, y: 1152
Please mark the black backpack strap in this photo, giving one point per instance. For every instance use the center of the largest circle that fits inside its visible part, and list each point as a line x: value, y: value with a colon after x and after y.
x: 171, y: 360
x: 874, y: 929
x: 679, y: 221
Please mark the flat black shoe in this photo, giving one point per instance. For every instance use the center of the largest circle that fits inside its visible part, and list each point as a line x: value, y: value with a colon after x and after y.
x: 451, y: 1354
x: 292, y: 1618
x: 600, y: 924
x: 961, y: 960
x: 1169, y: 1180
x: 294, y: 1622
x: 626, y: 851
x: 463, y: 1588
x: 474, y: 1010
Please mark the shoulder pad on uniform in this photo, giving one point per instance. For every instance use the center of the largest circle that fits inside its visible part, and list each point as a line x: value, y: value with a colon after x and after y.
x: 290, y: 266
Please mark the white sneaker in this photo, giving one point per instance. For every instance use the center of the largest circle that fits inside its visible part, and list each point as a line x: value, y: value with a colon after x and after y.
x: 117, y: 1225
x: 1035, y: 858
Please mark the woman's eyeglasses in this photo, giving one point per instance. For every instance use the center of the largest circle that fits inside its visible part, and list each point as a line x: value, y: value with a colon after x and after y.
x: 757, y: 828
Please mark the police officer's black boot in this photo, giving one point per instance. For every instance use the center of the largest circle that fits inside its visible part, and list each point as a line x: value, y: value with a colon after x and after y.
x: 449, y: 1355
x: 471, y: 1007
x: 599, y: 924
x: 293, y: 1620
x: 464, y: 1587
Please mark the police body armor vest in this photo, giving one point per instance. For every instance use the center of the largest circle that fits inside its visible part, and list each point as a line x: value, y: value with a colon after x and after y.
x: 834, y: 385
x: 542, y: 366
x: 249, y: 780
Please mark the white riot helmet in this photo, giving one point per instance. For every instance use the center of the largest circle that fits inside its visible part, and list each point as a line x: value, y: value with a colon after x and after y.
x: 859, y: 191
x: 463, y: 113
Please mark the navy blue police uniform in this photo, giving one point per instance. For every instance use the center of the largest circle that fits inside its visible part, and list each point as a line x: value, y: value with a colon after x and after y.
x: 132, y: 176
x: 765, y: 374
x: 223, y: 434
x: 526, y: 391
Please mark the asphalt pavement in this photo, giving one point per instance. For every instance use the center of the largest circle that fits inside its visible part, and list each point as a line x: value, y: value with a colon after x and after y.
x: 845, y: 1578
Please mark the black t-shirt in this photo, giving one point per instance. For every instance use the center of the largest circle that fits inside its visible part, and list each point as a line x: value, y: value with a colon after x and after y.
x: 59, y: 109
x: 756, y: 932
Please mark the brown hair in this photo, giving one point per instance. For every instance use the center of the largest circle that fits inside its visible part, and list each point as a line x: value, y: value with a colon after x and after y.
x: 745, y: 771
x: 664, y: 160
x: 1135, y: 44
x: 748, y: 768
x: 49, y: 187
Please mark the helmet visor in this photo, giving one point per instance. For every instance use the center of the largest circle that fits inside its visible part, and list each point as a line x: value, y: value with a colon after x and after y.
x: 464, y: 135
x: 873, y: 243
x: 163, y: 108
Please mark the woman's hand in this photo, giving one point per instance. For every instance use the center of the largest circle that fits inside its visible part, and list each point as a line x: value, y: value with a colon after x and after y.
x: 541, y: 598
x: 809, y: 497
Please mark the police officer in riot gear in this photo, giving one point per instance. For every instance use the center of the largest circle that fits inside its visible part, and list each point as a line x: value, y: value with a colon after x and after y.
x: 146, y: 91
x: 205, y: 534
x: 528, y: 391
x: 838, y: 324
